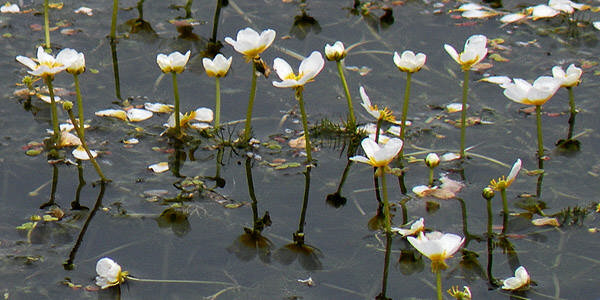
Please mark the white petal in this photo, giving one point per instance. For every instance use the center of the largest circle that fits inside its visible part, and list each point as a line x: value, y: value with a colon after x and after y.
x: 27, y: 62
x: 203, y: 114
x: 158, y: 107
x: 115, y: 113
x: 452, y: 52
x: 137, y: 115
x: 159, y: 167
x: 282, y: 68
x: 80, y: 153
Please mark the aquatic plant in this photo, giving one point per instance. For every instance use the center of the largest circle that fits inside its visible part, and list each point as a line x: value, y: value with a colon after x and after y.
x: 337, y: 53
x: 174, y: 63
x: 217, y: 68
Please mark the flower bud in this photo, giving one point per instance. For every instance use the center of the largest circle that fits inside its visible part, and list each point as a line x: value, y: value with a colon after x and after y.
x: 488, y: 193
x: 432, y: 160
x: 67, y: 105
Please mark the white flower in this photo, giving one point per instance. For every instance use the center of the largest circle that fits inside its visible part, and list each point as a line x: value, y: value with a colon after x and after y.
x: 203, y: 114
x: 75, y: 61
x: 9, y: 8
x: 497, y: 79
x: 217, y: 67
x: 437, y: 246
x: 46, y: 64
x: 409, y: 62
x: 520, y: 281
x: 522, y: 91
x: 475, y: 51
x: 84, y: 11
x: 596, y: 25
x: 378, y: 155
x: 568, y: 79
x: 416, y: 227
x: 309, y: 68
x: 336, y: 52
x: 432, y: 160
x: 511, y: 18
x: 250, y: 43
x: 109, y: 273
x: 175, y: 62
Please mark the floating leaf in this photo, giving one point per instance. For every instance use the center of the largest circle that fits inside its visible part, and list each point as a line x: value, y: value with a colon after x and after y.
x: 159, y: 167
x: 298, y: 143
x: 498, y: 57
x: 158, y: 107
x: 288, y: 165
x: 545, y: 221
x: 138, y: 115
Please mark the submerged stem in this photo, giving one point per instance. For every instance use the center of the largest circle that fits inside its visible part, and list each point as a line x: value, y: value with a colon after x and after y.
x: 347, y: 92
x: 463, y: 114
x: 405, y: 110
x: 216, y: 21
x: 250, y: 104
x: 300, y: 99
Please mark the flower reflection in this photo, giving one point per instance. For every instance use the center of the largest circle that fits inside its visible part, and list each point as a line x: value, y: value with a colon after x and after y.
x: 410, y: 262
x: 175, y: 218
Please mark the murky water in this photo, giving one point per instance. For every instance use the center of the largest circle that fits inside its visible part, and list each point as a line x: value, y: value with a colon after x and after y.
x: 204, y: 238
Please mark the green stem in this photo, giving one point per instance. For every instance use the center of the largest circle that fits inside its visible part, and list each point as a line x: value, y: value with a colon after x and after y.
x: 79, y: 130
x: 386, y: 265
x: 405, y: 110
x: 347, y: 92
x: 377, y: 129
x: 573, y: 113
x: 504, y: 210
x: 217, y: 103
x: 538, y: 117
x: 463, y: 114
x: 300, y: 99
x: 571, y: 100
x: 176, y: 95
x: 251, y: 193
x: 53, y: 112
x: 250, y: 104
x: 113, y: 23
x: 386, y: 204
x: 304, y: 201
x: 490, y: 216
x: 115, y: 61
x: 438, y: 280
x: 431, y: 176
x: 176, y: 281
x: 46, y: 24
x: 79, y: 102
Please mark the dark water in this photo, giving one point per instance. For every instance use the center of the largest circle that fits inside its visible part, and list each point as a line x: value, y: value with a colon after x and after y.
x: 346, y: 259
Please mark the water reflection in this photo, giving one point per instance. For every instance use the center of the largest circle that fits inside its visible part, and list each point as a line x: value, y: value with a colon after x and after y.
x: 252, y: 243
x: 51, y: 201
x: 308, y: 256
x: 115, y: 62
x: 175, y: 218
x: 303, y: 23
x: 138, y: 27
x: 386, y: 267
x: 68, y: 264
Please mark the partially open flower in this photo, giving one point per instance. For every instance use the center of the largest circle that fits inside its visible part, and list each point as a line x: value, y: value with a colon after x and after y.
x: 409, y: 62
x: 75, y: 61
x: 475, y: 51
x: 378, y: 155
x: 521, y: 280
x: 46, y: 64
x: 309, y: 68
x: 336, y: 52
x: 109, y: 273
x: 465, y: 294
x: 9, y: 8
x: 568, y: 79
x: 174, y: 62
x: 217, y: 67
x: 250, y: 43
x: 432, y: 160
x: 379, y: 114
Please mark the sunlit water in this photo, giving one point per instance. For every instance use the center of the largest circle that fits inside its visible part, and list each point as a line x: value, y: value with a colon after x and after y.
x: 349, y: 260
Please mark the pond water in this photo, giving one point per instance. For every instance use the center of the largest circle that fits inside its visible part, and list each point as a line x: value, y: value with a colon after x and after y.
x: 136, y: 221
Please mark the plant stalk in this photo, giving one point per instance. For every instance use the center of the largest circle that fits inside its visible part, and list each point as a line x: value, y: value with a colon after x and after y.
x: 538, y: 117
x: 176, y: 96
x: 79, y: 131
x: 347, y: 92
x: 79, y: 102
x: 463, y: 114
x: 46, y: 24
x: 53, y: 112
x: 113, y: 22
x: 438, y: 281
x: 405, y: 111
x: 386, y: 204
x: 300, y: 99
x: 250, y: 104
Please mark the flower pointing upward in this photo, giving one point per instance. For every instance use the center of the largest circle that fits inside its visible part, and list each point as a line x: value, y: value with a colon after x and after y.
x: 409, y: 62
x: 379, y: 155
x: 475, y: 51
x: 309, y: 68
x: 568, y: 79
x: 217, y: 67
x: 504, y: 183
x: 250, y: 43
x: 521, y: 280
x: 522, y: 91
x: 437, y: 246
